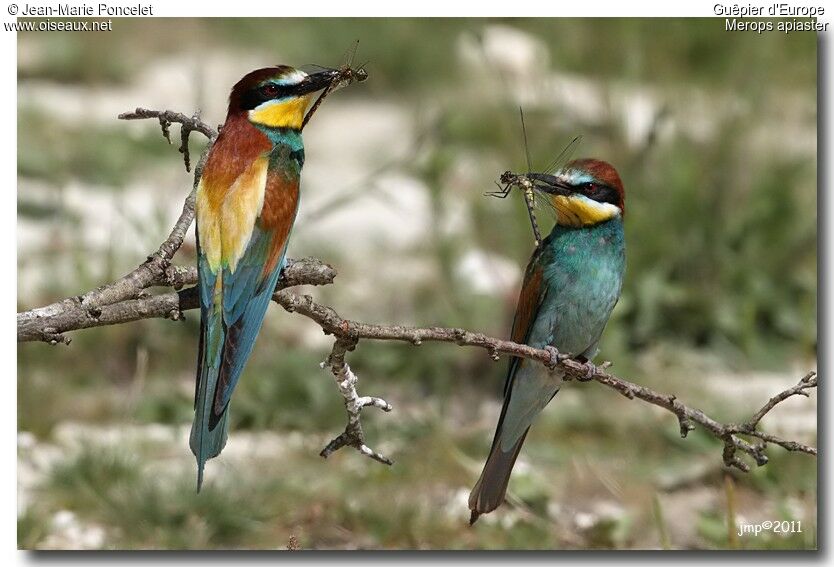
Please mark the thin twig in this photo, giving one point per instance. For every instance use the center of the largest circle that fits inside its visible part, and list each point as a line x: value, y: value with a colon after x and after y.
x: 187, y: 124
x: 807, y: 382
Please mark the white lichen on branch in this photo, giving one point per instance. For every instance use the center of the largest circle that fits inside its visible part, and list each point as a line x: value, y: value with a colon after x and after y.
x: 353, y: 435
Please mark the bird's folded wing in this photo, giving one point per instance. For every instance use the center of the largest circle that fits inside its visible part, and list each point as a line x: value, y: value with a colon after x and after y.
x: 530, y: 300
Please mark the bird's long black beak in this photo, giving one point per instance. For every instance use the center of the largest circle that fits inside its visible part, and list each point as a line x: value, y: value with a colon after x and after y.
x: 316, y: 82
x: 550, y: 184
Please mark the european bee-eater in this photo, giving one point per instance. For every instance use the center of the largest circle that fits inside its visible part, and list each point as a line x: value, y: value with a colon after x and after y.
x: 571, y: 284
x: 247, y: 201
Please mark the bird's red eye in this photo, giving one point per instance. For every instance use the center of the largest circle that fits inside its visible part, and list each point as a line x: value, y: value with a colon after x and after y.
x: 269, y: 90
x: 590, y: 187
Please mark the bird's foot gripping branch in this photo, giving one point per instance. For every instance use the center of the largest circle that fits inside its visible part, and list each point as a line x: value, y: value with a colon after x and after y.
x: 127, y: 299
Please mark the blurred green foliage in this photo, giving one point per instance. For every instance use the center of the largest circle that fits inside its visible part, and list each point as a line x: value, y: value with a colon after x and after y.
x: 721, y: 274
x: 98, y: 156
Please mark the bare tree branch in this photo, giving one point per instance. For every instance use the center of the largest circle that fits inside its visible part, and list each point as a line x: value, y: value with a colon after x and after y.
x: 331, y: 323
x: 801, y: 389
x: 188, y: 124
x: 127, y: 300
x: 353, y: 435
x: 49, y: 324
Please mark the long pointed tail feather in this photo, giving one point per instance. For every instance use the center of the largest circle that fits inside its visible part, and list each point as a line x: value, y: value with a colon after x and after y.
x: 491, y: 487
x: 207, y: 439
x: 528, y: 391
x: 224, y: 350
x: 207, y: 442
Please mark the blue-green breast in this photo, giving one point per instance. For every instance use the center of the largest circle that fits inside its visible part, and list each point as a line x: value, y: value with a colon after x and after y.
x: 287, y: 153
x: 583, y: 274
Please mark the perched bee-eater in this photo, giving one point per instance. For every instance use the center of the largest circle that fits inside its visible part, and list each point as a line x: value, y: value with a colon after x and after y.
x: 571, y: 284
x: 246, y: 204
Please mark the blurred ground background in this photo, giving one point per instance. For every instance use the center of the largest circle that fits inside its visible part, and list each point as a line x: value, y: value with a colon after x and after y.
x: 714, y: 135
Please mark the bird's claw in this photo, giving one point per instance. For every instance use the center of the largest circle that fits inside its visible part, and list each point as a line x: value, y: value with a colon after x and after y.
x: 590, y: 370
x: 556, y: 357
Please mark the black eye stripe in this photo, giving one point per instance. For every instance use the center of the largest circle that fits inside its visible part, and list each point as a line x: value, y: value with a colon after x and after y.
x: 608, y: 195
x: 263, y: 93
x: 600, y: 193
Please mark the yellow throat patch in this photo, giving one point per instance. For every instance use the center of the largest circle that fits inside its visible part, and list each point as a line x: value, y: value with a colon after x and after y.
x: 578, y: 210
x: 281, y: 113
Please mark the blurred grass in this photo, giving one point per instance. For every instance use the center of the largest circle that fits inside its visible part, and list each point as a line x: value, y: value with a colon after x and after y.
x: 103, y: 157
x: 261, y: 499
x: 665, y: 50
x: 721, y: 263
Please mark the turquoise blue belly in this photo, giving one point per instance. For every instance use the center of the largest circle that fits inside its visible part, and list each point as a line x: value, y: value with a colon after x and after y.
x: 583, y: 275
